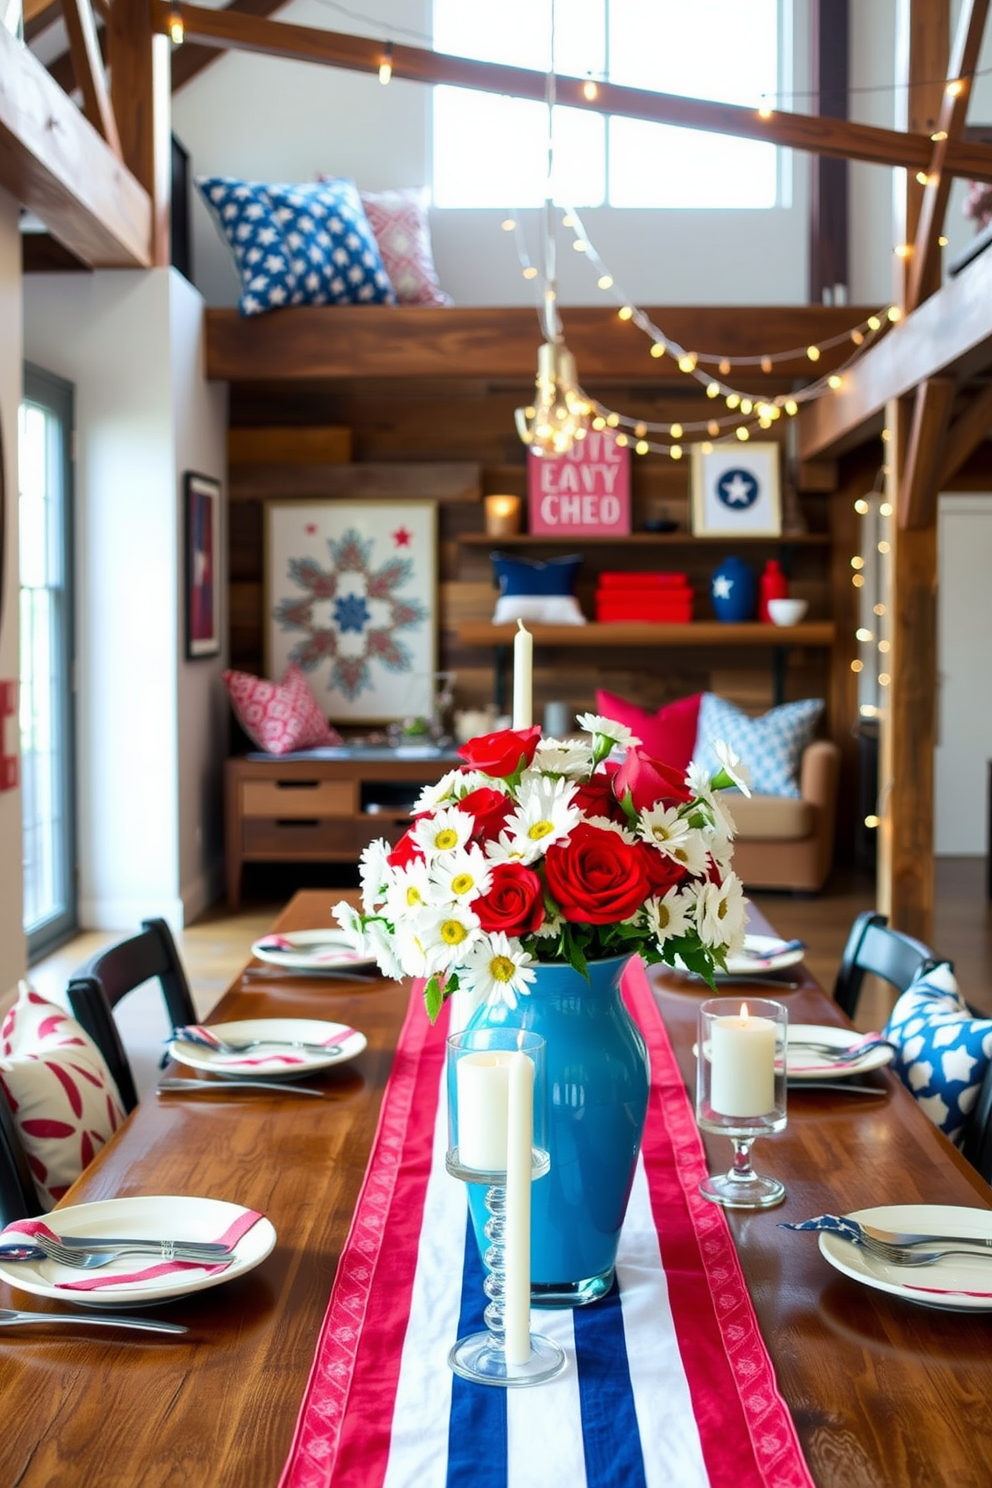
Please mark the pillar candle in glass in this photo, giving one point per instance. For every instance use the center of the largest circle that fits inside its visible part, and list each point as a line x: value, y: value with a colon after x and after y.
x: 740, y: 1091
x: 503, y: 514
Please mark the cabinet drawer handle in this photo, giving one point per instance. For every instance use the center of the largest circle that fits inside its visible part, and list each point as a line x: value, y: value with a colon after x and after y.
x: 297, y: 821
x: 297, y: 784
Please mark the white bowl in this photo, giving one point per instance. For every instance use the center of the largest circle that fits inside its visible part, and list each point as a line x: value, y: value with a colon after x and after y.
x: 787, y: 611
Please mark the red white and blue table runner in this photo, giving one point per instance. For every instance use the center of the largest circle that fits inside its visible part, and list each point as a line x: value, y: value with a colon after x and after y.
x: 668, y: 1382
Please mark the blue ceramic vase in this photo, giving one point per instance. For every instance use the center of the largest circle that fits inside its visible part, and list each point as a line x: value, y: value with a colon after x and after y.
x: 733, y: 590
x: 597, y: 1076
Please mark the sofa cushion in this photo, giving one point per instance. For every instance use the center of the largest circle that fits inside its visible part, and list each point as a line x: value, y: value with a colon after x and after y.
x: 402, y: 230
x: 279, y: 716
x: 770, y: 746
x: 667, y: 734
x: 532, y: 589
x: 943, y: 1049
x: 770, y: 818
x: 298, y: 245
x: 63, y: 1097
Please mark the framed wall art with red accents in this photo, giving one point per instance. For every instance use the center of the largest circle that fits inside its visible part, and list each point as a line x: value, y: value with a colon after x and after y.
x: 350, y: 597
x: 203, y: 580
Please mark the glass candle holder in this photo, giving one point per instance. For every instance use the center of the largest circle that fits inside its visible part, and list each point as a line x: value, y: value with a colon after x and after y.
x: 741, y: 1091
x: 503, y: 515
x: 496, y: 1137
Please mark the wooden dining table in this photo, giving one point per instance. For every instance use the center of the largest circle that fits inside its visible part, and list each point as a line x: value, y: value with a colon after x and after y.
x: 883, y: 1393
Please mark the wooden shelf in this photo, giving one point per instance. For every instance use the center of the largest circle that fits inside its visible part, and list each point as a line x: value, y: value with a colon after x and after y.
x: 697, y: 633
x: 642, y: 539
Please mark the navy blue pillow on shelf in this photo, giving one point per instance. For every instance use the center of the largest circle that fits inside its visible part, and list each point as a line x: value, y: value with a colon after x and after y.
x: 310, y: 244
x: 530, y: 589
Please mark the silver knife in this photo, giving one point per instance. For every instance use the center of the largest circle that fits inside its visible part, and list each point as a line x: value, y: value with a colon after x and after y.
x: 10, y: 1318
x: 212, y: 1087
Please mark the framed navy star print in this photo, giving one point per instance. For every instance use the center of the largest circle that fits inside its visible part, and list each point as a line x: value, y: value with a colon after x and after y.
x: 736, y: 491
x: 350, y: 597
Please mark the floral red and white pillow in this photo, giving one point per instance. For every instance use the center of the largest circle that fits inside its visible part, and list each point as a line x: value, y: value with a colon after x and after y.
x: 279, y: 716
x: 62, y: 1095
x: 402, y: 231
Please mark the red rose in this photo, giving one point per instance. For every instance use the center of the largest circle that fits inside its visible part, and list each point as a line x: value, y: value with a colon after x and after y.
x: 489, y: 807
x: 406, y: 851
x: 595, y: 877
x: 501, y: 754
x: 650, y: 782
x: 595, y: 797
x: 662, y: 871
x: 514, y: 902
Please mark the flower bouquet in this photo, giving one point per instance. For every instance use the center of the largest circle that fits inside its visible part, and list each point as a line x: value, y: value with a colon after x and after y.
x: 547, y: 850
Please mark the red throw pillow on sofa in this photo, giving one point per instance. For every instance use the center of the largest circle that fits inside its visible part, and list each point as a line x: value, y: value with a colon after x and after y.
x: 668, y: 735
x: 279, y: 716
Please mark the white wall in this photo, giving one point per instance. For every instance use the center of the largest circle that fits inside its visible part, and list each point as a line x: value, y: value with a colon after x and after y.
x: 126, y: 340
x: 964, y: 703
x: 12, y: 944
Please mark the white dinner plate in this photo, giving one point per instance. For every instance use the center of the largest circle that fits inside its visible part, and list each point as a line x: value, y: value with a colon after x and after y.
x: 158, y: 1218
x: 271, y: 1063
x: 760, y: 956
x: 310, y: 950
x: 804, y: 1064
x: 959, y: 1284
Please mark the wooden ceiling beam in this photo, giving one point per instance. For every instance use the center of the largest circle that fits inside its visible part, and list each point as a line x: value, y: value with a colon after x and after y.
x: 53, y: 161
x: 967, y: 432
x: 924, y: 268
x: 950, y: 334
x: 818, y: 134
x: 917, y: 503
x: 190, y: 59
x: 87, y: 67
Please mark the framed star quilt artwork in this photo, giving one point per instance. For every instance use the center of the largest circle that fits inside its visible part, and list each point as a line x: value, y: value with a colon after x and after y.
x: 736, y: 490
x: 349, y: 596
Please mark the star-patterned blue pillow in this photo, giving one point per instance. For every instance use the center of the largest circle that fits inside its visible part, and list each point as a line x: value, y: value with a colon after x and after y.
x: 943, y: 1049
x: 771, y: 746
x: 298, y: 245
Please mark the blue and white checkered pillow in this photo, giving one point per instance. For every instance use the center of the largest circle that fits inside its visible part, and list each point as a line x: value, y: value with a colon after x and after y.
x: 770, y: 746
x: 298, y: 245
x: 943, y: 1049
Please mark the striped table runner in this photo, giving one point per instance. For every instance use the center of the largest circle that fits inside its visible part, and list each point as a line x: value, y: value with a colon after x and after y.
x: 668, y: 1382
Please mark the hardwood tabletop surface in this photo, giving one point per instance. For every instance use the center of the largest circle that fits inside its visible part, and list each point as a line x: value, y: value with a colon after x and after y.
x: 884, y: 1393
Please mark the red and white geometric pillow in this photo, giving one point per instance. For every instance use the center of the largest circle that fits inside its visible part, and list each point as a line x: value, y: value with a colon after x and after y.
x: 58, y: 1086
x: 279, y: 716
x: 402, y: 231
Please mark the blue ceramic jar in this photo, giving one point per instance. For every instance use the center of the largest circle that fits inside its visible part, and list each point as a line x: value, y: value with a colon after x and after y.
x: 733, y: 590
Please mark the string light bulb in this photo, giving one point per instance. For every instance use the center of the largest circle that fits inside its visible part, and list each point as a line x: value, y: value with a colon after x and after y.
x: 590, y: 90
x: 560, y: 413
x: 386, y: 65
x: 177, y: 29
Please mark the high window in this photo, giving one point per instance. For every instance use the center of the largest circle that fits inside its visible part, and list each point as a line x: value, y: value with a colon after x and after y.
x: 492, y: 151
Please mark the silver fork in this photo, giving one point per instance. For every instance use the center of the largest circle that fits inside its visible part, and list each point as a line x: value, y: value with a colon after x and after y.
x: 904, y: 1255
x: 165, y: 1250
x: 11, y: 1317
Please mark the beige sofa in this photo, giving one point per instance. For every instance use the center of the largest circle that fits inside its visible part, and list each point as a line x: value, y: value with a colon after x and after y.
x: 784, y: 843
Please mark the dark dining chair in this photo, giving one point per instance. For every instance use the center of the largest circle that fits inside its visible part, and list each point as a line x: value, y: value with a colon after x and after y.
x: 97, y: 987
x: 18, y: 1195
x: 874, y: 947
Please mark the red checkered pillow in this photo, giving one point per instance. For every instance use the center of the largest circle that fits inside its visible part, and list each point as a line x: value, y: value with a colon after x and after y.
x: 58, y: 1086
x: 279, y: 716
x: 402, y: 231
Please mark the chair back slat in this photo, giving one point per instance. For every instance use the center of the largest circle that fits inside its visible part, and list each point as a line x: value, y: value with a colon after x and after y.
x: 18, y: 1195
x: 873, y: 947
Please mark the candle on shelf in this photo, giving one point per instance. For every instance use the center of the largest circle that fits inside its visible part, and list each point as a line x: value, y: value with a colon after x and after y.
x: 502, y: 515
x: 516, y: 1251
x: 482, y: 1084
x: 742, y: 1055
x: 523, y: 674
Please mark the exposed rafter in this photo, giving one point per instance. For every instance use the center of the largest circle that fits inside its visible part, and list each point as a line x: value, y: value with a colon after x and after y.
x: 917, y: 504
x: 227, y: 30
x: 87, y: 65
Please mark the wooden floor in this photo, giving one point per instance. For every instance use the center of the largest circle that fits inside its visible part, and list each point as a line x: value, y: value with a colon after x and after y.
x: 215, y: 948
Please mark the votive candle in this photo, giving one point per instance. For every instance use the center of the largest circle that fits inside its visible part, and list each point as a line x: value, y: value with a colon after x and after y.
x: 516, y: 1248
x: 742, y: 1055
x: 523, y: 678
x: 502, y: 515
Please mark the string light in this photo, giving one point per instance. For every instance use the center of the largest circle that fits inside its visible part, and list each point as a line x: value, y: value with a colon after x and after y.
x: 177, y: 29
x: 386, y: 65
x: 590, y: 90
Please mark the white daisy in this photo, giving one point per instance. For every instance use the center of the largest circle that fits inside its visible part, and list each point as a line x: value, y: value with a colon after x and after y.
x: 733, y: 766
x: 380, y: 942
x: 442, y: 832
x: 446, y: 933
x: 544, y: 815
x: 463, y: 874
x: 606, y: 824
x: 674, y: 836
x: 374, y: 873
x: 351, y: 923
x: 698, y: 782
x: 496, y: 970
x: 562, y: 757
x: 607, y: 728
x: 437, y: 794
x: 410, y: 890
x: 721, y: 914
x: 670, y: 915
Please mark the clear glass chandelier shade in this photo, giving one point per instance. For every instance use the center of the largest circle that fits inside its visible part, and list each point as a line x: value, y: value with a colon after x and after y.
x: 559, y: 415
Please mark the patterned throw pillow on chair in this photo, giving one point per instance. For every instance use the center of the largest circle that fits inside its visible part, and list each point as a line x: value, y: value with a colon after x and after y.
x: 771, y: 746
x: 62, y: 1095
x: 943, y: 1049
x: 298, y: 245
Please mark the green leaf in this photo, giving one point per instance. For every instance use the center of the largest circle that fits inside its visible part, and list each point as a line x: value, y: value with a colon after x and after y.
x: 433, y: 998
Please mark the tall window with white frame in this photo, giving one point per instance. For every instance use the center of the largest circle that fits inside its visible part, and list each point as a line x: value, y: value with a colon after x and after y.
x: 46, y: 625
x: 491, y: 150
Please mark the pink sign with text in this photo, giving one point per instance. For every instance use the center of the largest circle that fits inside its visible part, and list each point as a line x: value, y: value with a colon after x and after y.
x: 585, y: 493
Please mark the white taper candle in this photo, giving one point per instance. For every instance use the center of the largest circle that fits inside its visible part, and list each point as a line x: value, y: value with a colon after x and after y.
x: 516, y: 1251
x: 523, y: 678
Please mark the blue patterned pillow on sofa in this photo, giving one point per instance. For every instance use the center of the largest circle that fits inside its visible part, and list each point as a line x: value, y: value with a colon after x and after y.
x: 298, y: 245
x: 943, y: 1049
x: 771, y: 746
